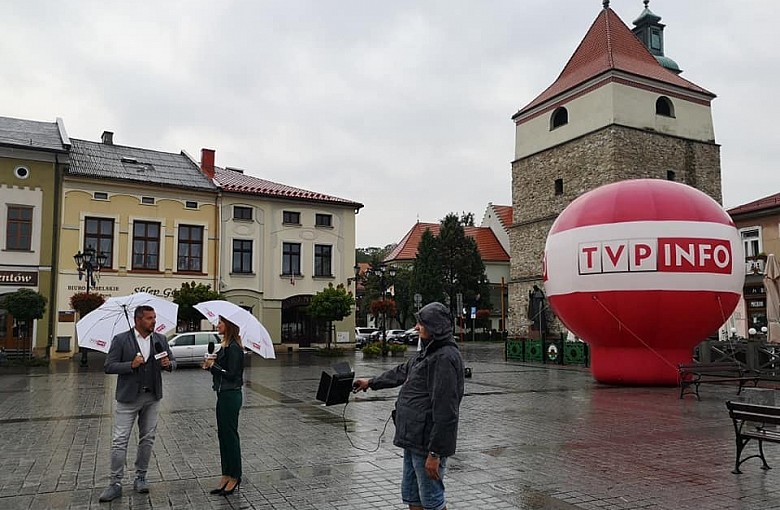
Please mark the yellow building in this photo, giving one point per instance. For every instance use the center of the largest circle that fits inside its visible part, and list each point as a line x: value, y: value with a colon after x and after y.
x: 32, y: 157
x: 152, y: 214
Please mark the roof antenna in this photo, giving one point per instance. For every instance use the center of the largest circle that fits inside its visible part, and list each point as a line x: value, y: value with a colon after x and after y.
x: 606, y: 4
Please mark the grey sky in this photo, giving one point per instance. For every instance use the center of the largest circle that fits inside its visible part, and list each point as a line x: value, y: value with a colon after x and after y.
x: 404, y: 106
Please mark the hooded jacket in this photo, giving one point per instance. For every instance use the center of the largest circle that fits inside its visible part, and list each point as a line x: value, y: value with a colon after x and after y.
x: 427, y: 409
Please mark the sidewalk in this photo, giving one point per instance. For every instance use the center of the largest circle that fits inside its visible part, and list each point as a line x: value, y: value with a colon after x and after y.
x: 531, y: 437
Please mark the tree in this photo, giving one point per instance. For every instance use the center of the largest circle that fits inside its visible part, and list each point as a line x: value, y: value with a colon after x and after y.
x: 403, y: 295
x: 331, y: 304
x: 191, y: 294
x: 427, y: 273
x: 26, y: 306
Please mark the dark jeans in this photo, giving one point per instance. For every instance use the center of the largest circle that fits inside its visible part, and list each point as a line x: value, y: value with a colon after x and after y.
x: 228, y: 405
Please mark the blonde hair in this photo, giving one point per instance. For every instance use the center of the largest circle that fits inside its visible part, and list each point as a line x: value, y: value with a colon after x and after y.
x: 231, y: 333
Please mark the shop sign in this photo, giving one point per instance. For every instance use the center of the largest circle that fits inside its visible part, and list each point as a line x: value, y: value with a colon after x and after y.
x: 19, y: 278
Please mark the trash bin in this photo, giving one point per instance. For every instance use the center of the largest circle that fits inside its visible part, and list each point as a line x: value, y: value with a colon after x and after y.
x: 63, y: 344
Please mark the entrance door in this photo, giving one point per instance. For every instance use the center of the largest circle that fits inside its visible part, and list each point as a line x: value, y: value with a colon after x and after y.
x: 297, y: 326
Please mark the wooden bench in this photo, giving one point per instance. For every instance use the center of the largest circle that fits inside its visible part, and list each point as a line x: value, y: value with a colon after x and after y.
x: 692, y: 375
x: 751, y: 422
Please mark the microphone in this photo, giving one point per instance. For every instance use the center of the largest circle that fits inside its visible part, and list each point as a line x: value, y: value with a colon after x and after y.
x: 210, y: 350
x: 161, y: 353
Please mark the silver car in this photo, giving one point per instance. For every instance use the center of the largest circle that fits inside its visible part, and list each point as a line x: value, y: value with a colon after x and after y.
x: 190, y: 348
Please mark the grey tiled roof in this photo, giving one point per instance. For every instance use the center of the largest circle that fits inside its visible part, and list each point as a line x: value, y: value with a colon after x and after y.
x: 108, y: 161
x: 31, y: 134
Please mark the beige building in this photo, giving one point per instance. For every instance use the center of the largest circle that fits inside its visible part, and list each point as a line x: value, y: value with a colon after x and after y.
x: 619, y: 110
x: 152, y: 214
x: 32, y: 158
x: 280, y: 245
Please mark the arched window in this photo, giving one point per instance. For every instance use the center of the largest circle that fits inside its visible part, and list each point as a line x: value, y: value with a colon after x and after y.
x: 664, y: 106
x: 559, y: 117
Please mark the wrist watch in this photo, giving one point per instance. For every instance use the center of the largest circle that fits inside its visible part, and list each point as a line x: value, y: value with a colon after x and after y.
x: 433, y: 455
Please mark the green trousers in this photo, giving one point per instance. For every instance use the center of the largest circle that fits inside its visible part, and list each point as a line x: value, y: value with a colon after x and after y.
x: 228, y: 405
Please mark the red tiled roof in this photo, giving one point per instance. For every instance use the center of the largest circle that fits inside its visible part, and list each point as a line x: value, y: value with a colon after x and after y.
x: 489, y: 248
x: 236, y: 182
x: 769, y: 202
x: 504, y: 213
x: 610, y: 45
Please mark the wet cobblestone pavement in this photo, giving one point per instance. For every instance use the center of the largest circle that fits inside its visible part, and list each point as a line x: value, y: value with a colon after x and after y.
x: 531, y: 437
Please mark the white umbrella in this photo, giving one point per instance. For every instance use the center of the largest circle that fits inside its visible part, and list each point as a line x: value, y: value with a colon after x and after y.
x: 254, y: 336
x: 96, y: 329
x: 772, y: 284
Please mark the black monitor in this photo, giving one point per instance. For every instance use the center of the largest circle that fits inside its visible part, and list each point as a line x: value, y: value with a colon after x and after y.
x: 336, y: 386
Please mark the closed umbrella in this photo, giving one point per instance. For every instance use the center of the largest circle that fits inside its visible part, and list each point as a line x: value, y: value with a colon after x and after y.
x: 96, y: 329
x: 253, y: 335
x: 772, y: 284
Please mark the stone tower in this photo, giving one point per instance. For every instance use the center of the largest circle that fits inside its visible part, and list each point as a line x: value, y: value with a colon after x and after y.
x: 618, y: 110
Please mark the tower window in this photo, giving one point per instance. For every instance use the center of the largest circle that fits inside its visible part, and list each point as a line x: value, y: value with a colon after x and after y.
x: 559, y: 117
x: 559, y: 186
x: 664, y: 106
x: 671, y: 175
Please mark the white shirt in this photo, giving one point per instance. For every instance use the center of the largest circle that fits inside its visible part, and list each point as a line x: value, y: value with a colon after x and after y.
x: 144, y: 343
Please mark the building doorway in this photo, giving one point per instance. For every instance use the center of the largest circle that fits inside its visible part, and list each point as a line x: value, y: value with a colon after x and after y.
x: 297, y: 326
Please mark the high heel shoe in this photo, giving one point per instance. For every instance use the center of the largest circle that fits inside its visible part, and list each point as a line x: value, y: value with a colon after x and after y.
x: 220, y: 489
x: 226, y: 492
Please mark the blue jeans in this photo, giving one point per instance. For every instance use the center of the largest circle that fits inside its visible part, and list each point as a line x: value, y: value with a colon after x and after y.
x: 419, y: 490
x: 146, y: 410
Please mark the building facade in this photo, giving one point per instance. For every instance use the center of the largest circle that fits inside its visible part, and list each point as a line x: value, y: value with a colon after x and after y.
x: 618, y: 110
x: 32, y: 158
x: 281, y: 245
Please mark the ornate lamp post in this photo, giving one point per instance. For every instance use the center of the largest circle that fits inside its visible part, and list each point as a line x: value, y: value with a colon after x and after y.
x: 382, y: 272
x: 88, y: 264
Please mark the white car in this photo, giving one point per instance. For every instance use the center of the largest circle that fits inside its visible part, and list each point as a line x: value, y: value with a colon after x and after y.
x: 190, y: 348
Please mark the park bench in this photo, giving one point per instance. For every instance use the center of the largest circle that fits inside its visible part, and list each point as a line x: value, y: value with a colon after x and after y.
x: 753, y: 421
x: 694, y: 374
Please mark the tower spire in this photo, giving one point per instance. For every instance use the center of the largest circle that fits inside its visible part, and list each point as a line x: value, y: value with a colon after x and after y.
x: 605, y: 3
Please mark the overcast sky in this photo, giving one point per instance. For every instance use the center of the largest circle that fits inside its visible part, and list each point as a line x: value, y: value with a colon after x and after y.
x: 403, y: 106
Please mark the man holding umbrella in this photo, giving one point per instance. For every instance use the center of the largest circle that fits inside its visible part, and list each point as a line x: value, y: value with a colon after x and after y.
x: 138, y: 392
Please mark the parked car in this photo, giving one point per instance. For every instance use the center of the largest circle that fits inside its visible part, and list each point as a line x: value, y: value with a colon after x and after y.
x: 411, y: 336
x: 394, y: 335
x: 363, y: 336
x: 190, y: 348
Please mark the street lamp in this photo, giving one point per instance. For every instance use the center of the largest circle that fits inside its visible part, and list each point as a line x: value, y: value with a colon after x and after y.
x: 88, y: 264
x: 356, y: 279
x: 382, y: 272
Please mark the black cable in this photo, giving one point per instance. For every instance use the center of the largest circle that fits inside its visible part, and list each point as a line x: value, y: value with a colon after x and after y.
x: 378, y: 441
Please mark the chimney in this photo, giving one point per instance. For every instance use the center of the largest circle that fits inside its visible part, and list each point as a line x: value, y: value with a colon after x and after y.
x: 207, y: 162
x: 108, y: 137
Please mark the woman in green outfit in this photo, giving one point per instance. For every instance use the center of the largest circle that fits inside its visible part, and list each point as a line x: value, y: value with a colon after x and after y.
x: 228, y: 374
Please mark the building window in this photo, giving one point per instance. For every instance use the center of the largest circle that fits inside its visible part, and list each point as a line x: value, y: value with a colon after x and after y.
x: 190, y: 205
x: 242, y: 256
x: 291, y: 218
x: 559, y: 117
x: 242, y: 213
x: 559, y: 186
x: 147, y: 200
x: 99, y: 235
x: 323, y: 220
x: 322, y: 260
x: 671, y: 175
x: 664, y: 107
x: 751, y: 240
x: 18, y: 234
x: 146, y: 245
x: 190, y: 248
x: 291, y: 259
x: 100, y: 195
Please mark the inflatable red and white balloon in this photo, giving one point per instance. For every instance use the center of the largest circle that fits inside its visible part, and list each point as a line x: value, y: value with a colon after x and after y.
x: 643, y: 270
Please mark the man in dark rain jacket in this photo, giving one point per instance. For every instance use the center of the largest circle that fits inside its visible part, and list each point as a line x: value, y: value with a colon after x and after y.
x: 426, y: 412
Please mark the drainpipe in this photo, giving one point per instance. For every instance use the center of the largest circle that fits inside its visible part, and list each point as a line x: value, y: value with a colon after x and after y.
x: 53, y: 304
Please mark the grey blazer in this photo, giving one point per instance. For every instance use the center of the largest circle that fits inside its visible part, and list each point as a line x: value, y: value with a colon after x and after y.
x: 123, y: 349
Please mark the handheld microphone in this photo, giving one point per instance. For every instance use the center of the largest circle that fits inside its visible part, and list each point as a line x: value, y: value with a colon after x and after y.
x: 210, y: 350
x: 161, y: 353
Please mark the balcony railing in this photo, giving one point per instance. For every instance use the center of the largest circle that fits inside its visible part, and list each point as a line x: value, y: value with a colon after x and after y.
x: 754, y: 265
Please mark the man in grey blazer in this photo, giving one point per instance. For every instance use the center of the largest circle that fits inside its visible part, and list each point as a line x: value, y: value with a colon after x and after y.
x: 138, y: 393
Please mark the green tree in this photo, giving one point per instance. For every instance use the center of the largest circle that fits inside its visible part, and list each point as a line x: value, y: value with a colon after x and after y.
x: 403, y: 295
x: 331, y: 304
x: 191, y: 294
x: 427, y: 272
x: 26, y: 306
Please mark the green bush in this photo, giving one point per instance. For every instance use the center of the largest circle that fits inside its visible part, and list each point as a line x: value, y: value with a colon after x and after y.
x: 330, y: 352
x: 372, y: 350
x: 397, y: 349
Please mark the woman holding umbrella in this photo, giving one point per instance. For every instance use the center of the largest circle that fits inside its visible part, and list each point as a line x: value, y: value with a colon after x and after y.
x: 227, y: 370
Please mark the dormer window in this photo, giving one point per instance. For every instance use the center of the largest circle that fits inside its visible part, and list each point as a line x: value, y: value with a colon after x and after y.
x: 664, y: 107
x: 559, y: 118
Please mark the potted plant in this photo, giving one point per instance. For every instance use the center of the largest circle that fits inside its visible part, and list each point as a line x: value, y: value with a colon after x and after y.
x: 397, y: 349
x: 372, y: 350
